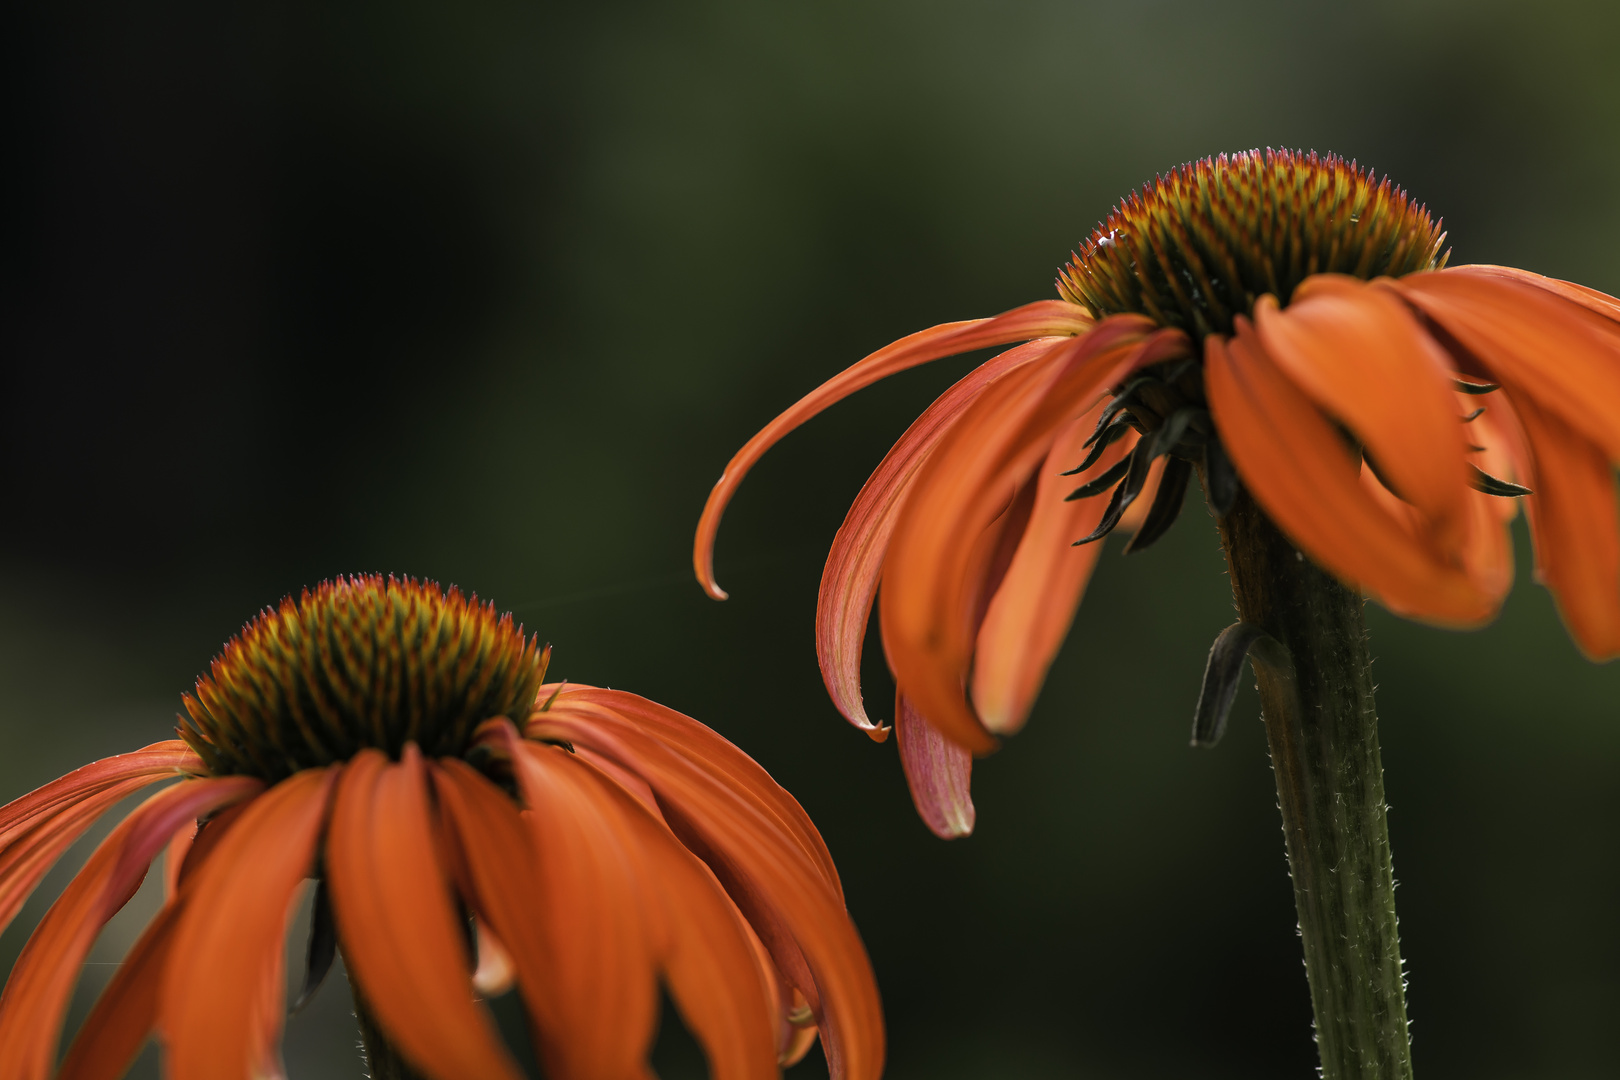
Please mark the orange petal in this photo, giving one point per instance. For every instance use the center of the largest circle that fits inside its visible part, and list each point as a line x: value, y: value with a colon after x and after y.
x: 1573, y: 522
x: 597, y: 1020
x: 1535, y: 343
x: 36, y: 996
x: 127, y: 1010
x: 503, y: 874
x: 707, y: 750
x: 935, y: 564
x: 1032, y: 610
x: 162, y: 759
x: 1044, y: 318
x: 1486, y: 551
x: 1503, y: 453
x: 1304, y: 477
x: 496, y: 972
x: 174, y: 857
x: 203, y: 843
x: 938, y: 772
x: 36, y: 828
x: 849, y: 580
x: 707, y: 955
x: 1591, y: 299
x: 1131, y: 520
x: 388, y: 887
x: 235, y: 919
x: 1360, y: 355
x: 723, y: 816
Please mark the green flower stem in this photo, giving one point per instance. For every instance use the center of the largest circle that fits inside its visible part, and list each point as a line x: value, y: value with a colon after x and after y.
x: 1322, y: 728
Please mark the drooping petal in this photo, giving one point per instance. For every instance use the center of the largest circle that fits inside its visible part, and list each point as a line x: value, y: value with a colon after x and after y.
x: 938, y: 772
x: 1591, y: 299
x: 268, y: 1011
x: 935, y: 566
x: 1044, y: 318
x: 1486, y: 552
x: 597, y: 1020
x: 127, y: 1009
x: 727, y: 765
x: 849, y: 580
x: 1361, y: 356
x: 743, y: 834
x: 389, y: 889
x: 1503, y: 451
x: 1303, y: 475
x: 38, y: 827
x: 1575, y: 524
x: 36, y: 995
x: 233, y: 925
x: 710, y: 965
x: 503, y: 877
x: 1032, y: 610
x: 1536, y: 343
x: 204, y: 841
x: 155, y: 762
x: 705, y: 952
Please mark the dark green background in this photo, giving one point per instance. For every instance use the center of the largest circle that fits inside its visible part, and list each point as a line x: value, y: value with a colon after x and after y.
x: 489, y: 292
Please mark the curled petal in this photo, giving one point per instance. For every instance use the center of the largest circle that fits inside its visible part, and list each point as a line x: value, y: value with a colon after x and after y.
x: 938, y: 771
x: 1535, y: 342
x: 1575, y: 524
x: 1044, y: 318
x: 936, y: 565
x: 1035, y: 604
x: 36, y: 995
x: 849, y: 580
x: 388, y: 887
x: 1361, y: 356
x: 1304, y: 476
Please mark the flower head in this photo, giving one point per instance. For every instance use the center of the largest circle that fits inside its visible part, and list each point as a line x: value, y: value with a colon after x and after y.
x: 470, y: 828
x: 1284, y: 326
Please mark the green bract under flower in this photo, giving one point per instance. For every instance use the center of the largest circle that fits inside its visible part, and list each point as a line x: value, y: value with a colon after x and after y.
x: 363, y: 662
x: 1203, y: 243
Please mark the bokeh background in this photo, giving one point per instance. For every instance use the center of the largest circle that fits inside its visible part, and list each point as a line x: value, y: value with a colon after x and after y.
x: 489, y: 292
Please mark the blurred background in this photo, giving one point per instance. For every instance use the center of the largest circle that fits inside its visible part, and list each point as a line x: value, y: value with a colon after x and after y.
x: 489, y: 292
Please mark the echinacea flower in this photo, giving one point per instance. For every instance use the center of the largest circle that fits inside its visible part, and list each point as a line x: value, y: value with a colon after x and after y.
x: 470, y: 828
x: 1277, y: 322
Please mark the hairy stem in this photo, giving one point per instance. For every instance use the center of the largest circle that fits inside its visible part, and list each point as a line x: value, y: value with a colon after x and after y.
x: 383, y: 1060
x: 1322, y: 728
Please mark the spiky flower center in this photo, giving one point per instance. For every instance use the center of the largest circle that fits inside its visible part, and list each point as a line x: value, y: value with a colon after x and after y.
x: 1199, y: 246
x: 363, y: 662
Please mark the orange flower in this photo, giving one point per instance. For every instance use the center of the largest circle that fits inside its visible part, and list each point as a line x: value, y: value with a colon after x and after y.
x: 1274, y: 320
x: 598, y: 842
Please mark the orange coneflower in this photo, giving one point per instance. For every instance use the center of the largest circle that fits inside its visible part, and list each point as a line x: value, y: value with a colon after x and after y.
x: 398, y: 744
x: 1282, y: 324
